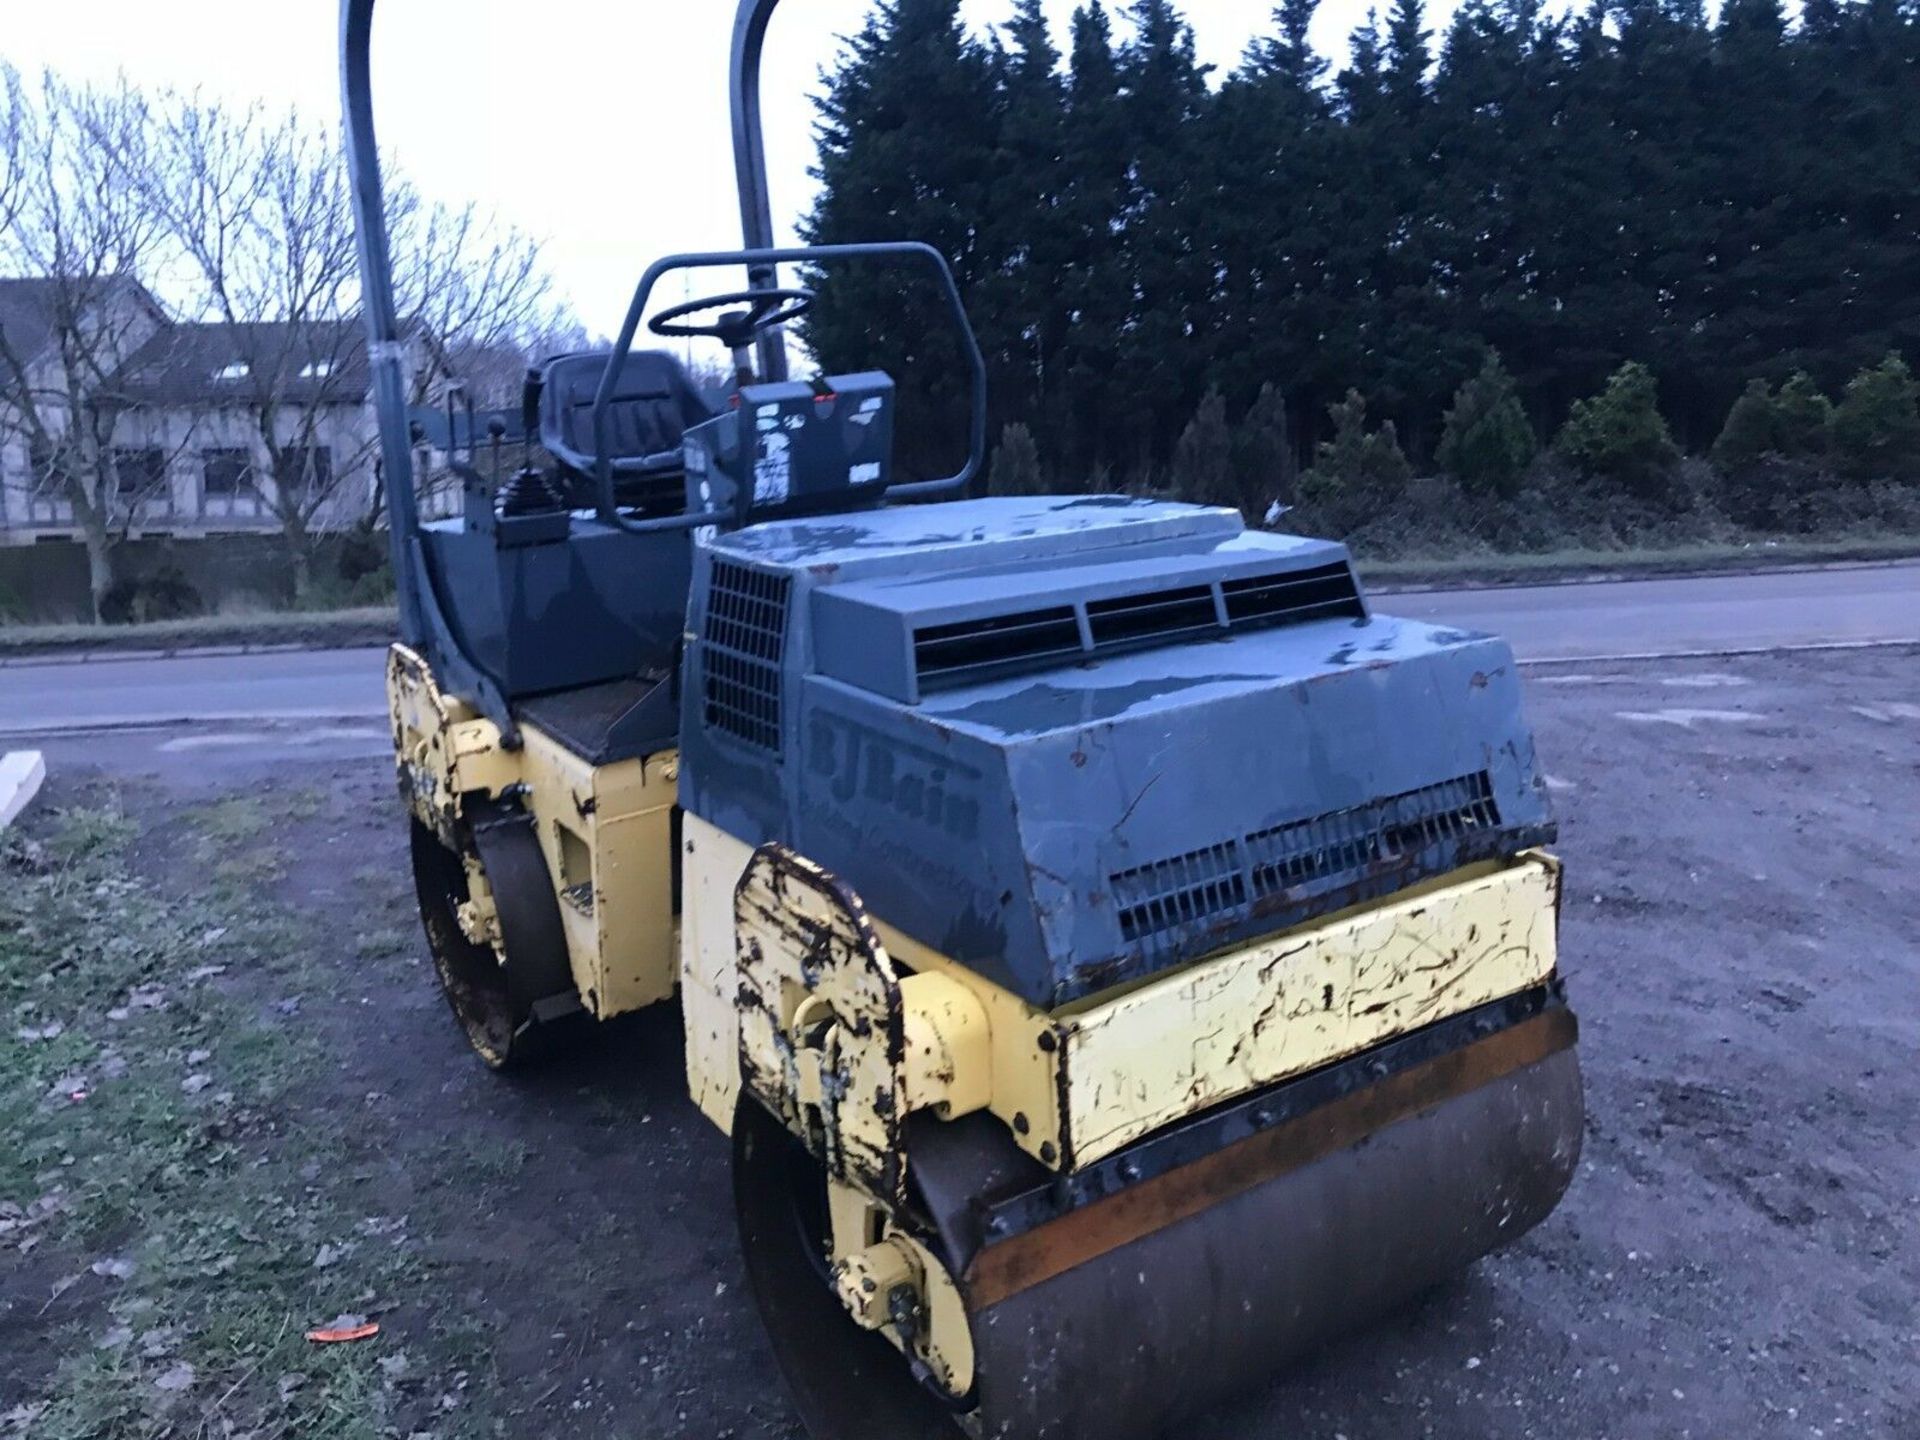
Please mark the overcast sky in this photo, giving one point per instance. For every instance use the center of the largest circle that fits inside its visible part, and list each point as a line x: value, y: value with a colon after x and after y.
x: 507, y: 101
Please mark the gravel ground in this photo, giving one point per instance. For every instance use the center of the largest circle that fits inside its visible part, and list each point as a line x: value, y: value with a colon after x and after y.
x: 1737, y: 1257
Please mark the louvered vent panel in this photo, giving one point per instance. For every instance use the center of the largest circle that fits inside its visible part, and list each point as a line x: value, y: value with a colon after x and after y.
x: 744, y: 639
x: 1172, y: 893
x: 1155, y: 617
x: 949, y: 656
x: 971, y: 650
x: 1329, y: 846
x: 1340, y: 846
x: 1269, y: 600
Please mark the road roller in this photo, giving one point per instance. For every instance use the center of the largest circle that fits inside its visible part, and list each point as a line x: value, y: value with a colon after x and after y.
x: 1120, y: 958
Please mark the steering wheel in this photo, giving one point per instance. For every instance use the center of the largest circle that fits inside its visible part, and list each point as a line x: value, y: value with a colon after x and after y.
x: 764, y: 310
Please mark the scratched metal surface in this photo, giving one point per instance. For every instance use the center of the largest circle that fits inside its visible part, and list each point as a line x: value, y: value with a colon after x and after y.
x: 995, y: 822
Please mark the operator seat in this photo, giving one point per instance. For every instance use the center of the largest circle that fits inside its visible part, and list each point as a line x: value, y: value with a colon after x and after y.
x: 654, y: 404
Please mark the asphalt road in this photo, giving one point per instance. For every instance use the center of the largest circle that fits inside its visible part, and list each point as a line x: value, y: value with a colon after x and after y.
x: 1715, y: 614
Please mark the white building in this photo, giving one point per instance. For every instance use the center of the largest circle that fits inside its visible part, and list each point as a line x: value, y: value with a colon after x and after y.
x: 188, y: 410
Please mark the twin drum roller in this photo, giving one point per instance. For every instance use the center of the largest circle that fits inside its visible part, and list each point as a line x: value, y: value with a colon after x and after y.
x: 1120, y: 959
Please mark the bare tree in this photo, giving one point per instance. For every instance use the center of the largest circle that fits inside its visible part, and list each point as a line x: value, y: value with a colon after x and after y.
x: 77, y: 234
x: 13, y: 102
x: 258, y: 208
x: 475, y: 286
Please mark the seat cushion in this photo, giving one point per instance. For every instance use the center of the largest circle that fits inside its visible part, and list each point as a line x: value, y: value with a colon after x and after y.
x: 653, y: 405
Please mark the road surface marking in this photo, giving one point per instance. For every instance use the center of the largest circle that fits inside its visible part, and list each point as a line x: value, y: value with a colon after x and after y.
x: 1706, y: 682
x: 242, y: 738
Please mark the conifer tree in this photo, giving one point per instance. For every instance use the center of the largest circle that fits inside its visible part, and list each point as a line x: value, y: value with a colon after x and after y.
x: 1619, y: 436
x: 907, y: 143
x: 1488, y: 443
x: 1750, y: 431
x: 1016, y: 464
x: 1021, y: 309
x: 1803, y: 419
x: 1265, y: 465
x: 1357, y: 464
x: 1876, y: 428
x: 1634, y: 177
x: 1203, y: 460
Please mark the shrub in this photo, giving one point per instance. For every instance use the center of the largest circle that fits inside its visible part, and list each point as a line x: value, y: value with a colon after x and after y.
x: 1488, y: 442
x: 1619, y: 437
x: 1770, y: 492
x: 362, y: 552
x: 1876, y: 429
x: 1802, y: 419
x: 1751, y: 431
x: 166, y: 594
x: 1016, y: 464
x: 1203, y: 460
x: 1772, y: 454
x: 1357, y: 463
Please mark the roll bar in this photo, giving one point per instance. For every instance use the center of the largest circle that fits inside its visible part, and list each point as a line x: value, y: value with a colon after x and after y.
x: 386, y: 351
x: 765, y: 263
x: 750, y: 163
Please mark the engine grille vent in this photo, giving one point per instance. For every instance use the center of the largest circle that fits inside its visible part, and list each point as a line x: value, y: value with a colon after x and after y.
x: 1158, y: 616
x: 1337, y: 847
x: 966, y: 652
x: 1326, y: 593
x: 744, y: 639
x: 1171, y: 893
x: 1307, y: 851
x: 950, y: 655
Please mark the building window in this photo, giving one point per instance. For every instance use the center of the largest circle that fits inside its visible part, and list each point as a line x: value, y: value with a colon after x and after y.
x: 316, y: 370
x: 308, y: 469
x: 142, y: 476
x: 48, y: 502
x: 227, y: 484
x: 46, y: 470
x: 228, y: 473
x: 238, y: 370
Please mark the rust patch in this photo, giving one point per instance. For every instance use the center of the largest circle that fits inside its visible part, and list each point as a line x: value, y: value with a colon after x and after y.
x: 1005, y: 1270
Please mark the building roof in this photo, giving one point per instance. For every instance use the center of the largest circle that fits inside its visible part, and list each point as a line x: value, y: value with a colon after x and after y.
x: 29, y: 306
x: 323, y: 362
x: 26, y: 315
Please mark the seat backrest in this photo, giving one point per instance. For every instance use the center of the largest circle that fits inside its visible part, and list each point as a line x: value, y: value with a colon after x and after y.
x: 653, y: 405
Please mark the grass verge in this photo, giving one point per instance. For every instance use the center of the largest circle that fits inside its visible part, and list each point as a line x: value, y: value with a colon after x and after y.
x: 173, y: 1203
x: 1719, y: 559
x: 326, y: 629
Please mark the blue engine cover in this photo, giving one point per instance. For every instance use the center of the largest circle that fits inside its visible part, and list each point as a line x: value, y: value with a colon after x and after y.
x: 1074, y: 742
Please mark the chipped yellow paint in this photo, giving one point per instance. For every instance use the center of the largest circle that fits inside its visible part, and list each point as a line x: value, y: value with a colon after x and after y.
x: 1302, y: 1000
x: 823, y: 1021
x: 606, y: 832
x: 709, y: 971
x: 949, y: 1060
x: 872, y: 1259
x: 1155, y: 1052
x: 1022, y: 1048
